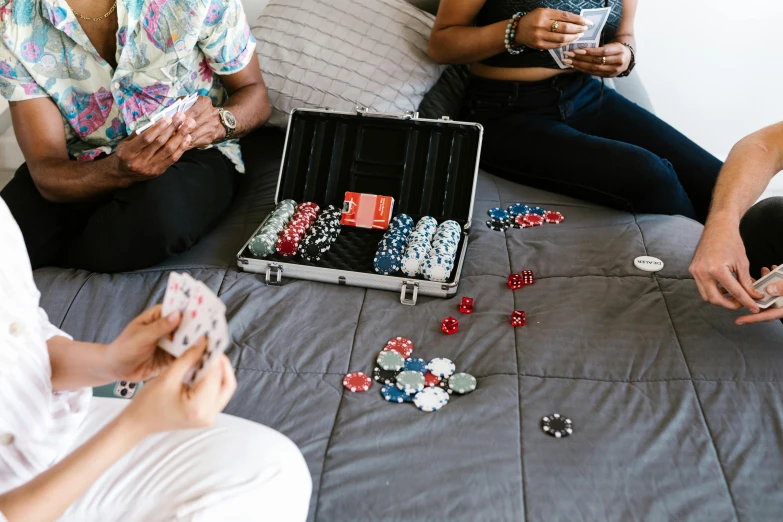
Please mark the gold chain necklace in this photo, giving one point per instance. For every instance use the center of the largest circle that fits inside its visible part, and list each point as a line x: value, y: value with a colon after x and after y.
x: 100, y: 17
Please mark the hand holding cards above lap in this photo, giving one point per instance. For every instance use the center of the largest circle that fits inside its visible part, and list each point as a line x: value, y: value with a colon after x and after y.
x: 536, y: 28
x: 771, y: 287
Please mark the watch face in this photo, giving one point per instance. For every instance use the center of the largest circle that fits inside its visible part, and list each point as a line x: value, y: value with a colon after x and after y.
x: 229, y: 119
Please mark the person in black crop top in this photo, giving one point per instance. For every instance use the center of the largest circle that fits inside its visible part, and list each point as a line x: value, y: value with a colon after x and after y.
x: 560, y: 129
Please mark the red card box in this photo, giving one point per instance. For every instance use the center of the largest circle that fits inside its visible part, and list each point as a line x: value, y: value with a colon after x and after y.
x: 367, y: 211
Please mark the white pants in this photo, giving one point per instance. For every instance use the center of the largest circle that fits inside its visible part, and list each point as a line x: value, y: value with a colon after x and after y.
x: 236, y: 470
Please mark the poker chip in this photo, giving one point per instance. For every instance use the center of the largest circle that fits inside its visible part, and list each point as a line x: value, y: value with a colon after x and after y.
x: 357, y: 382
x: 538, y: 211
x: 498, y: 213
x: 442, y: 367
x: 553, y: 216
x: 462, y: 383
x: 384, y: 376
x: 410, y: 381
x: 416, y: 364
x: 392, y: 393
x: 497, y: 225
x: 518, y: 209
x: 391, y: 360
x: 431, y: 399
x: 431, y: 380
x: 557, y: 426
x: 402, y: 345
x: 521, y: 221
x: 533, y: 220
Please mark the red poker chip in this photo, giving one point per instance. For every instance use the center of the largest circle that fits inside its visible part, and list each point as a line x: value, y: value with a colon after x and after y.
x: 401, y: 345
x: 521, y: 221
x: 357, y: 382
x: 308, y: 205
x: 534, y: 220
x: 431, y: 380
x: 553, y: 216
x: 287, y: 247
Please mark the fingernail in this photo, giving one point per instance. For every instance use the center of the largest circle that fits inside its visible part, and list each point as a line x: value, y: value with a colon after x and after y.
x: 580, y: 51
x: 167, y: 121
x: 588, y: 23
x: 188, y: 139
x: 772, y: 289
x: 569, y: 55
x: 567, y: 61
x: 173, y: 316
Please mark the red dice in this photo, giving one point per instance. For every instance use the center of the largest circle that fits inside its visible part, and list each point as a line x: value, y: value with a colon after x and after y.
x: 518, y: 318
x: 515, y: 282
x: 449, y: 325
x: 466, y: 305
x: 527, y: 277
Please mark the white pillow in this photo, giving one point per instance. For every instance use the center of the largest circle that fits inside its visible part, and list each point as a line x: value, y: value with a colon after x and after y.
x: 343, y: 53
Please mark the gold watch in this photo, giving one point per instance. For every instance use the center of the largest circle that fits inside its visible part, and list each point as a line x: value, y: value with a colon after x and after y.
x: 228, y: 121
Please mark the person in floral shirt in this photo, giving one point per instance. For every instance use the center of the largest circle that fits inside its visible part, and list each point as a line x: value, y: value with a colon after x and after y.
x: 81, y: 77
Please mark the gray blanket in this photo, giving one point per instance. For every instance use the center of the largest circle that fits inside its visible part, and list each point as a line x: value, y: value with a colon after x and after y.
x: 677, y: 412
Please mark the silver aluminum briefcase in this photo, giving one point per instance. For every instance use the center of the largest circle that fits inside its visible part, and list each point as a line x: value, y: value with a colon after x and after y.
x: 429, y: 167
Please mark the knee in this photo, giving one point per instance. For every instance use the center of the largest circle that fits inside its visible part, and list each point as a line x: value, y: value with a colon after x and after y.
x: 760, y: 219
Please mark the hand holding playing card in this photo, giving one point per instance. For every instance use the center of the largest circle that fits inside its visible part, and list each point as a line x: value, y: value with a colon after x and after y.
x: 208, y: 129
x: 608, y: 61
x: 772, y: 288
x: 166, y: 404
x: 535, y: 29
x: 140, y: 157
x: 134, y: 356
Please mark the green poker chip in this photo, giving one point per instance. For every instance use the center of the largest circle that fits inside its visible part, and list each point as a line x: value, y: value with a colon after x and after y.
x: 391, y: 360
x: 410, y: 381
x: 462, y: 383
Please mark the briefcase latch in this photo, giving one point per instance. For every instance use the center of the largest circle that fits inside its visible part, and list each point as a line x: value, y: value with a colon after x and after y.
x: 274, y: 275
x: 409, y: 293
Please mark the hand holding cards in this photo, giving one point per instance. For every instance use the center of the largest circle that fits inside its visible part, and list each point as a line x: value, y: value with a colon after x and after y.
x: 203, y: 315
x: 591, y: 38
x: 774, y: 277
x: 181, y: 105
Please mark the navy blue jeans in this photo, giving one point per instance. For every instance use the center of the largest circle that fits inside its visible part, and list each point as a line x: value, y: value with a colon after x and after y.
x: 573, y: 136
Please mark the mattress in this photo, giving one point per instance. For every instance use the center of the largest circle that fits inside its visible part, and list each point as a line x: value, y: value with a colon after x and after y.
x: 676, y: 411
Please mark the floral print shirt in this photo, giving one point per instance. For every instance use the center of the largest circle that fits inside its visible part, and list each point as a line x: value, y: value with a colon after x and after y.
x: 166, y: 49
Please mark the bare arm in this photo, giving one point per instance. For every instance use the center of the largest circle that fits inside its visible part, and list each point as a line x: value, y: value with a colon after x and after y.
x: 77, y: 365
x: 38, y: 126
x: 454, y: 39
x: 626, y: 33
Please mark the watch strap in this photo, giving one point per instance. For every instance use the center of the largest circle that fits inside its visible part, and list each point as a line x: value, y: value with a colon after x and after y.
x: 229, y: 130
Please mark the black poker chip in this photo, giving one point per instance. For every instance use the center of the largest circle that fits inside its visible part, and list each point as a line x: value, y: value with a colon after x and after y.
x: 557, y: 426
x: 496, y: 225
x: 384, y: 376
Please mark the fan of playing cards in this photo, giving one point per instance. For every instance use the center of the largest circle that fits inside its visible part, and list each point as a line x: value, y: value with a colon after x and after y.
x: 180, y: 105
x: 203, y: 315
x: 591, y: 38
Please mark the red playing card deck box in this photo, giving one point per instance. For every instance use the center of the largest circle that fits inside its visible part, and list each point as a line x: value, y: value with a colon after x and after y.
x: 392, y: 164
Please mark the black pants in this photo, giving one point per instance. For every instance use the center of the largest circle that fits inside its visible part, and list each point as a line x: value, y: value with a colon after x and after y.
x: 760, y: 230
x: 132, y: 228
x: 573, y: 136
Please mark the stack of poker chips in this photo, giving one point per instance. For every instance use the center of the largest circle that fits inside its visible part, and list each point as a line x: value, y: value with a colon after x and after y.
x: 263, y: 244
x: 439, y: 263
x: 388, y: 257
x: 288, y: 242
x: 520, y: 215
x: 428, y: 385
x: 419, y: 245
x: 321, y: 235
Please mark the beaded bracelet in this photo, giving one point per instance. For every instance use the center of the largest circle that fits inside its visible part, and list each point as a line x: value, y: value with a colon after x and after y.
x: 511, y: 34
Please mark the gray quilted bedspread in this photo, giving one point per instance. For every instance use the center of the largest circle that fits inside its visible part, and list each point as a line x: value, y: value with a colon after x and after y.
x: 677, y: 412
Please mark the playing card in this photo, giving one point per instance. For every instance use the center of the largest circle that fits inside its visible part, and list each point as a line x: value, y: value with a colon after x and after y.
x: 776, y: 276
x: 557, y: 55
x: 188, y: 102
x: 169, y: 111
x: 599, y: 17
x: 177, y: 298
x: 217, y: 342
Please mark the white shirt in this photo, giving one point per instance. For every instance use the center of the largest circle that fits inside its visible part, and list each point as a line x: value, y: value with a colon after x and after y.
x: 37, y: 426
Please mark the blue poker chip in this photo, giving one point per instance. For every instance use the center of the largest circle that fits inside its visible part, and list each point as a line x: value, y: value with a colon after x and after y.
x: 518, y: 209
x: 498, y: 213
x: 392, y: 393
x: 402, y: 220
x: 415, y: 364
x: 387, y: 262
x: 537, y: 211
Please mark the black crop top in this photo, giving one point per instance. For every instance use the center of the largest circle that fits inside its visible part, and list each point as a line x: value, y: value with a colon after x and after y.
x: 496, y: 10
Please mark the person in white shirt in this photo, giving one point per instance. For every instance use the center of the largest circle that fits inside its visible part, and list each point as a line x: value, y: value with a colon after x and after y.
x: 738, y: 244
x: 168, y: 455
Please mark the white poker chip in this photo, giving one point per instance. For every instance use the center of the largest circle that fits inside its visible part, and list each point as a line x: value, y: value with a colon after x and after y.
x: 648, y: 264
x: 410, y: 264
x: 442, y: 367
x: 431, y: 399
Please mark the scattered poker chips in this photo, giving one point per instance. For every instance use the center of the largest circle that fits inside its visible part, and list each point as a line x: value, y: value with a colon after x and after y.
x: 431, y: 399
x: 557, y: 426
x: 462, y: 383
x: 357, y: 382
x: 520, y: 215
x: 265, y: 241
x: 390, y: 360
x: 412, y: 379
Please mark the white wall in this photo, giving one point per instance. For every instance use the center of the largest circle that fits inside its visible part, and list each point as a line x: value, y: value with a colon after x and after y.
x: 713, y: 67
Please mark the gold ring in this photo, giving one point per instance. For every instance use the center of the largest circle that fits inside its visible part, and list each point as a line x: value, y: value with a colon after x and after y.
x: 603, y: 60
x: 555, y: 25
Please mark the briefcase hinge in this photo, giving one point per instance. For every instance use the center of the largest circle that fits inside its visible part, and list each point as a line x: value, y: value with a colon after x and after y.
x: 409, y: 293
x: 274, y: 275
